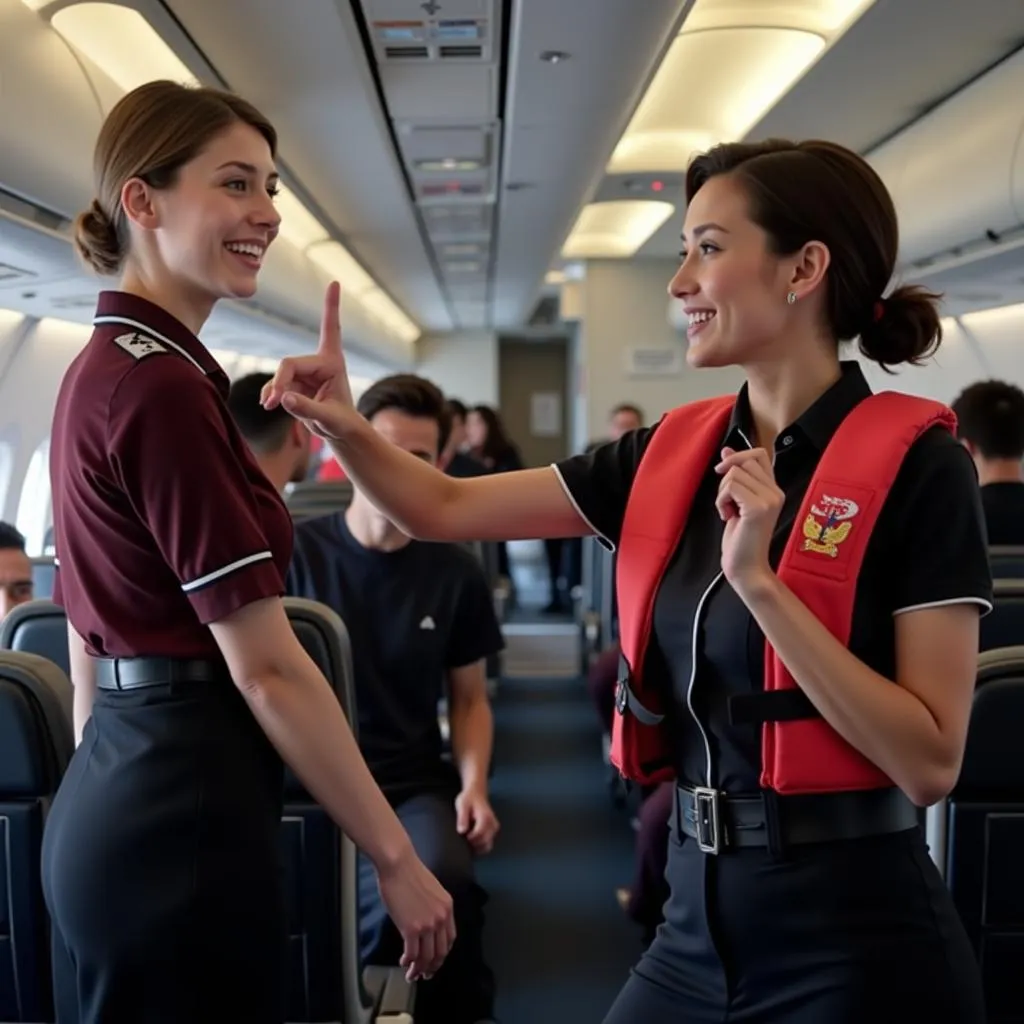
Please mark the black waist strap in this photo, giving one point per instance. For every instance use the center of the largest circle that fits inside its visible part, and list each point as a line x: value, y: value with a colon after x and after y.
x: 772, y: 706
x: 138, y: 673
x: 718, y: 821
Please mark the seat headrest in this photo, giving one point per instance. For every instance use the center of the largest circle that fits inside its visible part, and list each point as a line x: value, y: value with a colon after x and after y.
x: 43, y: 573
x: 36, y: 731
x: 992, y: 764
x: 38, y: 627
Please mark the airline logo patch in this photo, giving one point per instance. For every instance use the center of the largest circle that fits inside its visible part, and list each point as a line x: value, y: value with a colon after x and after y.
x: 138, y: 346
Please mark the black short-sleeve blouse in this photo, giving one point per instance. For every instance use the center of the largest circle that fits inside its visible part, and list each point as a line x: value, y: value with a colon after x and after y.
x: 928, y: 548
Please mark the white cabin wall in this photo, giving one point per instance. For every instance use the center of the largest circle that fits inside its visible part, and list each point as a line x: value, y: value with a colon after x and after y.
x: 32, y: 371
x: 13, y: 329
x: 463, y: 364
x: 978, y: 346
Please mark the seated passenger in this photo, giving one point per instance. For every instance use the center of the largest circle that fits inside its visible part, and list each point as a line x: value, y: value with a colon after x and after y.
x: 279, y: 443
x: 644, y: 900
x: 454, y: 459
x: 422, y: 624
x: 15, y: 570
x: 990, y: 417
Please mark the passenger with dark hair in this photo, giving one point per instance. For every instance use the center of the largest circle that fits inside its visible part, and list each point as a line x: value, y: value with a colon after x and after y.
x: 161, y: 861
x: 800, y: 657
x: 990, y: 423
x: 624, y: 418
x: 490, y: 444
x: 643, y: 901
x: 15, y: 570
x: 280, y: 444
x: 454, y: 459
x: 422, y: 624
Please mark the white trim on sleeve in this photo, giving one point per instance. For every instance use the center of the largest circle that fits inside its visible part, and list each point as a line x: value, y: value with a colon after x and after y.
x: 602, y: 539
x: 986, y: 605
x: 212, y: 577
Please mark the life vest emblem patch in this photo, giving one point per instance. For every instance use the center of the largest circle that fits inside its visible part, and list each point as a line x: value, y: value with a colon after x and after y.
x: 828, y: 525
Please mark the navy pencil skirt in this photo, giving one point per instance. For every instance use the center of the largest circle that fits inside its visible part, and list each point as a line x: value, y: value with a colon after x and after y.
x: 161, y: 863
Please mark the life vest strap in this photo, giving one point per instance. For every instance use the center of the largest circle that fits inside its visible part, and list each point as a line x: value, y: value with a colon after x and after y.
x: 771, y: 706
x: 626, y: 699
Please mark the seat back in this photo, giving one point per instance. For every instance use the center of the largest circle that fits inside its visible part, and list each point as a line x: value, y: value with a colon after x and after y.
x: 314, y: 498
x: 43, y: 572
x: 38, y: 627
x: 1004, y: 625
x: 325, y: 976
x: 985, y: 831
x: 36, y: 743
x: 1006, y: 561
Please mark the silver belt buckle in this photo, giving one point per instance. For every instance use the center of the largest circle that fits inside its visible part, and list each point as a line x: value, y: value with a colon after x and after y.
x: 706, y: 819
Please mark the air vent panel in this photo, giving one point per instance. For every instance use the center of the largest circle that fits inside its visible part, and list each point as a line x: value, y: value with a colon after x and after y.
x: 406, y: 53
x: 462, y: 51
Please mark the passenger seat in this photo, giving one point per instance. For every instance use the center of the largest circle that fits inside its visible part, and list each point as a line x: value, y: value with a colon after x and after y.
x: 36, y: 743
x: 326, y: 979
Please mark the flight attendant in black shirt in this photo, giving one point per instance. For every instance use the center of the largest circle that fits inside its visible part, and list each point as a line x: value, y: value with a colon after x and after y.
x: 788, y: 249
x: 160, y: 860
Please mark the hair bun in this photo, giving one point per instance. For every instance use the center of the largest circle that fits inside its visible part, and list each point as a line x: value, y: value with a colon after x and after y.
x: 908, y: 330
x: 97, y: 241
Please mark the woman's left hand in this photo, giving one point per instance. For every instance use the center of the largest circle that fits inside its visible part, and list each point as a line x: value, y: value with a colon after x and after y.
x: 749, y: 501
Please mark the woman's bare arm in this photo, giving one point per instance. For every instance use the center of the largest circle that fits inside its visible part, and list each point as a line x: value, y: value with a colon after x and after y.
x: 292, y: 702
x: 421, y: 500
x: 429, y: 505
x: 83, y: 681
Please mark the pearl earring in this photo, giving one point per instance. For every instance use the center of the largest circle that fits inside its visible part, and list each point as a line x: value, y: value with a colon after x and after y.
x: 791, y: 298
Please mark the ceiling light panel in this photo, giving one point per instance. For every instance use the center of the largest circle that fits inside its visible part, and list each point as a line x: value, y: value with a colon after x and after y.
x: 298, y: 225
x: 615, y: 230
x: 122, y: 43
x: 731, y: 63
x: 338, y: 263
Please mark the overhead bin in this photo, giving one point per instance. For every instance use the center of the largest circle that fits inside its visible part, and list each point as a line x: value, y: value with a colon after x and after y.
x: 958, y: 172
x: 51, y: 115
x: 53, y: 101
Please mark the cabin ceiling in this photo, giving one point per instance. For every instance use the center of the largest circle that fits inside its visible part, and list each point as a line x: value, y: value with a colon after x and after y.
x: 900, y: 59
x: 449, y: 153
x: 451, y: 158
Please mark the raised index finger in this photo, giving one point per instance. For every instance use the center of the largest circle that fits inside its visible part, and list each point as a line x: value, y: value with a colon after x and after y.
x: 330, y: 323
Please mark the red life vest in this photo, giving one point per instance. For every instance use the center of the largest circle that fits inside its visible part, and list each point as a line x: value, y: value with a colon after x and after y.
x: 801, y: 753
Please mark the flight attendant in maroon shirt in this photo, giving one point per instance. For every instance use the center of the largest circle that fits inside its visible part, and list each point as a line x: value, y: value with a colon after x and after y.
x: 160, y: 860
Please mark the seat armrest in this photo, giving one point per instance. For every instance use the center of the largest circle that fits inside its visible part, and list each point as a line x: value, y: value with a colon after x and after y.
x: 393, y: 997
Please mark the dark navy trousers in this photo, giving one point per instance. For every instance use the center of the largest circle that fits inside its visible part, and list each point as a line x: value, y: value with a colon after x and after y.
x: 831, y: 933
x: 462, y: 991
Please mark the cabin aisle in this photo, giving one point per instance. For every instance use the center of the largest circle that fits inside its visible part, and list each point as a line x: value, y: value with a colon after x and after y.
x: 556, y: 939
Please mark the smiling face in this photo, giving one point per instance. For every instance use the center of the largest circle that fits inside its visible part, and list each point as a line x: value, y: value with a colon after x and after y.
x: 212, y: 228
x: 732, y: 286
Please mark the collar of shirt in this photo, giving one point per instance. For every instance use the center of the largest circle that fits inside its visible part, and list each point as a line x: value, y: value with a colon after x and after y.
x: 146, y: 317
x: 815, y: 425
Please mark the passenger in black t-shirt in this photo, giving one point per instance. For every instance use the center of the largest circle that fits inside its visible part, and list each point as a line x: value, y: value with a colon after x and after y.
x: 421, y: 622
x: 991, y: 426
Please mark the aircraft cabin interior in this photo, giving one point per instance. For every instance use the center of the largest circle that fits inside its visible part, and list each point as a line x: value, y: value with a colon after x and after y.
x: 499, y: 189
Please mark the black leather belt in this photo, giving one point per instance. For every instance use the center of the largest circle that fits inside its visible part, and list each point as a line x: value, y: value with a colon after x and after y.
x: 139, y: 673
x: 719, y: 821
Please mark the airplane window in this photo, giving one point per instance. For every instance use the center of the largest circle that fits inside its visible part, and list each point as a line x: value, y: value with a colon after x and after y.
x: 6, y: 466
x: 34, y: 504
